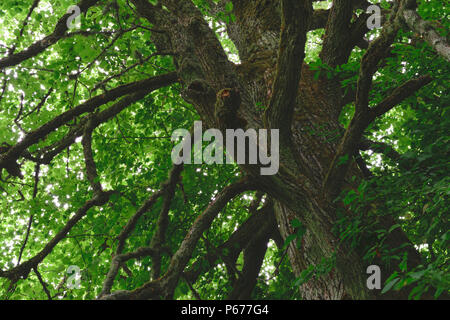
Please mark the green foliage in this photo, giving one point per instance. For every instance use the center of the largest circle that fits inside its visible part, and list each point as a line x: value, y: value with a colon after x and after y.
x: 323, y: 268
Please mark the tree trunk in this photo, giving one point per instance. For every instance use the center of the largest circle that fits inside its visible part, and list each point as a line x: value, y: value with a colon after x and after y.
x: 298, y: 187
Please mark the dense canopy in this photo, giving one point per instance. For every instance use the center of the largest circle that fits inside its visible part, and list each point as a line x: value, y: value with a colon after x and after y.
x: 93, y: 207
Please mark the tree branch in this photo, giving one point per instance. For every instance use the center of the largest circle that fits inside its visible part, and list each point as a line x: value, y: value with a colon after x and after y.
x: 335, y: 46
x: 24, y: 24
x: 398, y: 95
x: 91, y: 169
x: 163, y: 221
x: 261, y: 222
x: 253, y: 258
x: 116, y: 263
x: 427, y: 31
x: 379, y: 147
x: 142, y: 88
x: 290, y: 59
x: 341, y: 35
x: 42, y: 282
x: 168, y: 186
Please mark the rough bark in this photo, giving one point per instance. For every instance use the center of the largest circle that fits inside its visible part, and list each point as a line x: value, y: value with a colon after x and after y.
x: 270, y: 36
x: 427, y: 31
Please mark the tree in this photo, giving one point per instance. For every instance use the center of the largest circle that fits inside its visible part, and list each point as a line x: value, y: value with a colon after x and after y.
x: 87, y: 113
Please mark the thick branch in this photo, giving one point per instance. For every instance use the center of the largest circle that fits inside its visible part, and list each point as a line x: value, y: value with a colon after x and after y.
x: 335, y: 46
x: 163, y: 221
x: 341, y: 36
x: 91, y: 169
x: 117, y: 261
x: 378, y: 49
x: 253, y: 258
x: 398, y: 95
x: 260, y: 223
x: 319, y: 19
x: 379, y: 147
x: 33, y: 137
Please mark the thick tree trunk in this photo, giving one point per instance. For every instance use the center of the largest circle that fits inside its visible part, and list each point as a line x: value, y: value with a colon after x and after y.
x: 298, y: 187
